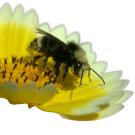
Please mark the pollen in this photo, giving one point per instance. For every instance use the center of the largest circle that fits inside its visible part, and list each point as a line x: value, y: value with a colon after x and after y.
x: 23, y: 71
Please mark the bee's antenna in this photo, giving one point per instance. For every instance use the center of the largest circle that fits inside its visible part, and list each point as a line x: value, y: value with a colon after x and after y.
x: 97, y: 75
x: 90, y: 69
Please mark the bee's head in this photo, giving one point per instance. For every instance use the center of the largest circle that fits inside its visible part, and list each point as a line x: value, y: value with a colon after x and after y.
x: 35, y: 45
x: 78, y: 67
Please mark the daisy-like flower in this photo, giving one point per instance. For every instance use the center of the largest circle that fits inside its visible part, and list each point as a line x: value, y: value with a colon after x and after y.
x: 21, y: 81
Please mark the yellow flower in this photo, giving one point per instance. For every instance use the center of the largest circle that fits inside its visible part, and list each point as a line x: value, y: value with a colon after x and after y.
x: 92, y: 100
x: 19, y: 81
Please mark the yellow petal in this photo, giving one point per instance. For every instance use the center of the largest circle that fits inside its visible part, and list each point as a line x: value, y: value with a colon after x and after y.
x: 69, y: 102
x: 18, y: 29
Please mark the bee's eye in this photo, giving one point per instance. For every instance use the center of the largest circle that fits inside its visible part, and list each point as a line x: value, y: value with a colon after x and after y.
x: 35, y: 42
x: 77, y: 66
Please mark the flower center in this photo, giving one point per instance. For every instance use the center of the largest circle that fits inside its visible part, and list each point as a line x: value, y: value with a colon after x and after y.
x: 23, y: 71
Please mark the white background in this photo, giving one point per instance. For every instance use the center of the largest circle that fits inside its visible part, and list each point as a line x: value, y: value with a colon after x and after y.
x: 110, y: 26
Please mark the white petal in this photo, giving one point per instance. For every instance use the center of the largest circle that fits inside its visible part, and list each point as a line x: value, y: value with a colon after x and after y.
x: 116, y: 85
x: 5, y: 13
x: 91, y: 57
x: 115, y: 96
x: 110, y: 98
x: 100, y: 101
x: 126, y: 96
x: 100, y: 67
x: 87, y: 47
x: 75, y: 37
x: 86, y: 109
x: 112, y: 76
x: 8, y: 90
x: 59, y: 32
x: 45, y: 27
x: 31, y: 19
x: 18, y: 14
x: 112, y: 109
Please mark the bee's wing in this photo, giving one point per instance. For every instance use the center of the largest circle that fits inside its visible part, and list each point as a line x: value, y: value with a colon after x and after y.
x: 50, y: 36
x: 41, y: 31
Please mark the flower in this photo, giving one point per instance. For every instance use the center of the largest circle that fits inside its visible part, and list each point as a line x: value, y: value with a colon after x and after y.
x: 22, y: 81
x: 19, y: 81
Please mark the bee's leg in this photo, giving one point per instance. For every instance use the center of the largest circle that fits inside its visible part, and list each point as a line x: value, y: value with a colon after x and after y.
x: 44, y: 62
x: 81, y: 78
x: 89, y: 74
x: 34, y: 60
x: 65, y: 72
x: 56, y: 68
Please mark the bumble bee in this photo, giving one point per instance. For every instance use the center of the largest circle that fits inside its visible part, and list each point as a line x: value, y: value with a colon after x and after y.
x: 70, y: 54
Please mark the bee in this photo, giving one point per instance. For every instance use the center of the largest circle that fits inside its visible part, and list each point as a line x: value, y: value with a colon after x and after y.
x: 70, y: 54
